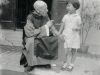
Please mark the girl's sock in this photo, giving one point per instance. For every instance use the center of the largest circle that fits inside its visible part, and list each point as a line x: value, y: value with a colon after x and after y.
x: 71, y: 64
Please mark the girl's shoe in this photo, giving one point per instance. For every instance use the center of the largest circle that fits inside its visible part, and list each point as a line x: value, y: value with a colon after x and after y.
x: 64, y: 67
x: 25, y: 65
x: 70, y: 68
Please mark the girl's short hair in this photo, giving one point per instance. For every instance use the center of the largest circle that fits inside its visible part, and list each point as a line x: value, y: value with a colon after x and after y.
x: 75, y: 3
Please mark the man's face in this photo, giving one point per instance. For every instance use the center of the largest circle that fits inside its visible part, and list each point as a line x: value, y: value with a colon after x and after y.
x: 43, y: 10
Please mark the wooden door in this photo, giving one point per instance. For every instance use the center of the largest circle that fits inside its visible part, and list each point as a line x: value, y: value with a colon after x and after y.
x: 21, y: 13
x: 58, y: 10
x: 8, y: 15
x: 61, y: 10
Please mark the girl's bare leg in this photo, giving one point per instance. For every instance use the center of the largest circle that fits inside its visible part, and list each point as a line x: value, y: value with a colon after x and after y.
x: 65, y: 62
x: 73, y: 57
x: 74, y: 53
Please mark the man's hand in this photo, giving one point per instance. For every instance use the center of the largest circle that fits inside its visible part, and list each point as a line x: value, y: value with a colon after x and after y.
x: 49, y: 23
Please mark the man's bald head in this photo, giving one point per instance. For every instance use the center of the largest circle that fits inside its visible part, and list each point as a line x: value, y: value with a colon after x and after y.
x: 41, y: 7
x: 39, y: 4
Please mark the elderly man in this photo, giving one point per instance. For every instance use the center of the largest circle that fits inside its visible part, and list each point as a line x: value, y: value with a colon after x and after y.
x: 38, y: 25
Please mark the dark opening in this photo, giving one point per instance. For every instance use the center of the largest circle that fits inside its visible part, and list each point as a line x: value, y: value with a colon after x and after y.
x: 24, y: 8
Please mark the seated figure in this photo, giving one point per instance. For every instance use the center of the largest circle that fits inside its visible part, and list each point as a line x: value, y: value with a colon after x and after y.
x: 39, y: 27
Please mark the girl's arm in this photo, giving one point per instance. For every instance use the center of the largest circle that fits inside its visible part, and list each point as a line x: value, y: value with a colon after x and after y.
x: 61, y: 27
x: 78, y: 29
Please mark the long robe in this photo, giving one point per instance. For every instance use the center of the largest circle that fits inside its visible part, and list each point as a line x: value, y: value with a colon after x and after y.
x: 35, y: 27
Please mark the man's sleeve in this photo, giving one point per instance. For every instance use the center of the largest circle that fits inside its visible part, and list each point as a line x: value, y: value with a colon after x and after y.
x: 31, y: 31
x: 47, y: 30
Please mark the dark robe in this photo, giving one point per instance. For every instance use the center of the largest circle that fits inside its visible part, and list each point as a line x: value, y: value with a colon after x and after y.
x: 35, y: 28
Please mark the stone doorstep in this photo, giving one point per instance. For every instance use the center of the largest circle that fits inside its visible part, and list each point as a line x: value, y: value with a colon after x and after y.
x: 18, y: 69
x: 9, y: 37
x: 10, y: 72
x: 11, y: 43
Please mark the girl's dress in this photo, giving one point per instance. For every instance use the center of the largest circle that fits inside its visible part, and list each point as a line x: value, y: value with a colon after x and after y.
x: 72, y: 38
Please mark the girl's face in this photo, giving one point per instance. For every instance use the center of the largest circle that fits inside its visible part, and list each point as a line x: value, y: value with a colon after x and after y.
x: 70, y: 8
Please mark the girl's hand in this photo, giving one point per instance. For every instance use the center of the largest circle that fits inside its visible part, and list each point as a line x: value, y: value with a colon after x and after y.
x: 62, y: 38
x: 49, y: 23
x: 61, y: 27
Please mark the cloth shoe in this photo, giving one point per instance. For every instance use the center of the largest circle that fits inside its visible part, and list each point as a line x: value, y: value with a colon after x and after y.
x: 55, y: 68
x: 64, y: 67
x: 29, y: 68
x: 70, y: 67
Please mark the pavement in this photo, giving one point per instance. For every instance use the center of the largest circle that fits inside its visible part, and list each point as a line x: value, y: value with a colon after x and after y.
x: 10, y: 53
x: 11, y: 37
x: 9, y: 72
x: 85, y: 64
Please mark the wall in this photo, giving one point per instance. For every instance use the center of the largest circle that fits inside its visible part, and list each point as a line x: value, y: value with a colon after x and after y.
x: 94, y: 33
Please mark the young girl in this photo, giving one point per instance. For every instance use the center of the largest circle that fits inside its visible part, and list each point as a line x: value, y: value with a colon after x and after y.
x: 70, y: 29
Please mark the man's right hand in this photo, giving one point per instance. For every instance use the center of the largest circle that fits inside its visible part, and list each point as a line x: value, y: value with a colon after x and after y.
x: 49, y: 23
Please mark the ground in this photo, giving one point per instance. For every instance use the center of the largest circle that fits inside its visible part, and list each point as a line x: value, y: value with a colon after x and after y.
x: 10, y: 53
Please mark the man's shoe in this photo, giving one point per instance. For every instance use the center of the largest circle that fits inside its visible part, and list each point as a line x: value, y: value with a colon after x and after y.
x: 54, y: 68
x: 26, y: 65
x: 48, y: 66
x: 29, y: 68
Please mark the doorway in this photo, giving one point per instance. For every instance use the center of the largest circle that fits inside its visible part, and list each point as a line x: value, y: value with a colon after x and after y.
x: 24, y: 7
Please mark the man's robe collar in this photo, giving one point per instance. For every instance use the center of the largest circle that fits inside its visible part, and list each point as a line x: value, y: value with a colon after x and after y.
x: 37, y: 15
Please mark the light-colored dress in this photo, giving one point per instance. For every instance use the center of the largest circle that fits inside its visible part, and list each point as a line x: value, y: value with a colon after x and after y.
x: 72, y: 38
